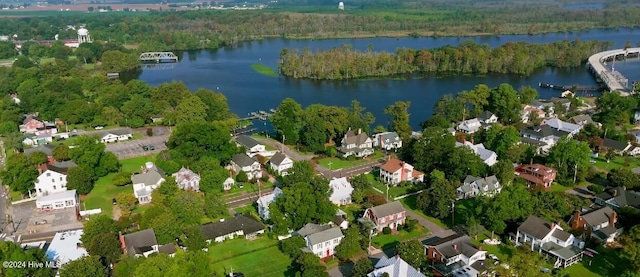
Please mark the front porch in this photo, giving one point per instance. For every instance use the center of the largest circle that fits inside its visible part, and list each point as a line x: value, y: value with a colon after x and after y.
x: 565, y: 256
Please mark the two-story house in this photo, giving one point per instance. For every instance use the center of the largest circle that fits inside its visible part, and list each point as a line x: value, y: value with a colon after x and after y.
x: 395, y: 171
x: 618, y: 197
x: 394, y: 267
x: 187, y: 179
x: 150, y: 178
x: 469, y: 126
x: 528, y: 112
x: 474, y: 186
x: 389, y: 215
x: 487, y: 117
x: 250, y: 145
x: 453, y: 254
x: 599, y: 224
x: 116, y: 135
x: 550, y: 240
x: 582, y: 120
x: 487, y: 156
x: 537, y: 175
x: 250, y: 165
x: 341, y: 191
x: 281, y: 163
x: 143, y: 243
x: 52, y: 179
x: 387, y: 141
x: 542, y: 137
x: 265, y: 200
x: 320, y: 240
x: 358, y: 144
x: 557, y: 124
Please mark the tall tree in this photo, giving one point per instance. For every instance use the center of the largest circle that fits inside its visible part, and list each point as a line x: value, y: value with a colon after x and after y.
x: 362, y: 267
x: 571, y: 159
x: 503, y: 170
x: 61, y: 153
x: 412, y: 252
x: 631, y: 247
x: 214, y: 205
x: 399, y: 113
x: 19, y: 174
x: 521, y: 263
x: 10, y: 251
x: 437, y: 199
x: 188, y: 206
x: 191, y: 109
x: 313, y: 133
x: 287, y: 120
x: 88, y: 266
x: 80, y: 180
x: 513, y: 204
x: 218, y: 109
x: 305, y: 202
x: 349, y: 245
x: 431, y: 149
x: 527, y: 94
x: 195, y: 140
x: 505, y: 104
x: 358, y: 118
x: 623, y: 177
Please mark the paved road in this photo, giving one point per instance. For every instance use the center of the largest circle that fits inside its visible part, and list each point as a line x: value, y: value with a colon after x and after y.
x: 294, y: 155
x: 351, y: 171
x: 245, y: 199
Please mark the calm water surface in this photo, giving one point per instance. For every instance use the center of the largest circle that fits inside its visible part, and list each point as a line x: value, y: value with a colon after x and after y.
x: 228, y: 70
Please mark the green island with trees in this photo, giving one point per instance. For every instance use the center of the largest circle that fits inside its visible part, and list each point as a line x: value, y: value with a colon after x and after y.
x: 343, y: 62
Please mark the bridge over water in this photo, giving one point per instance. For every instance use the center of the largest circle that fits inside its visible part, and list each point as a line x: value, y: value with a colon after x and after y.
x: 612, y: 79
x: 158, y: 57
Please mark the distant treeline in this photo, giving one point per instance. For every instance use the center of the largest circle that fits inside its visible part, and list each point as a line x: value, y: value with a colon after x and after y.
x: 470, y: 58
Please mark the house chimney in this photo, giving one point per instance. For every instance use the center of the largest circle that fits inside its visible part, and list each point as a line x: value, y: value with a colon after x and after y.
x: 614, y: 192
x: 553, y: 225
x: 123, y: 245
x: 575, y: 221
x: 531, y: 162
x: 624, y: 188
x: 472, y: 141
x: 455, y: 247
x: 479, y: 247
x: 613, y: 219
x: 359, y: 131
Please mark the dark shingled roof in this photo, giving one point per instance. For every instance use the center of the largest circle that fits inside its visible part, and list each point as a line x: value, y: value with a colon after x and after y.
x: 231, y: 225
x: 140, y: 242
x: 454, y: 245
x: 278, y: 158
x: 47, y: 149
x: 561, y: 235
x: 615, y: 144
x: 390, y: 208
x: 246, y: 141
x: 543, y: 131
x: 599, y: 216
x: 535, y: 226
x: 243, y: 160
x: 485, y: 115
x: 169, y: 248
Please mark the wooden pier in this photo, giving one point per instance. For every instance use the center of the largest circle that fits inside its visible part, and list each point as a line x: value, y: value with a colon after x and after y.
x: 573, y: 88
x: 259, y: 115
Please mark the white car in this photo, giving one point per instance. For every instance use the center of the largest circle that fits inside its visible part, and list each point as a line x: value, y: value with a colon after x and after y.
x: 99, y: 127
x: 493, y: 257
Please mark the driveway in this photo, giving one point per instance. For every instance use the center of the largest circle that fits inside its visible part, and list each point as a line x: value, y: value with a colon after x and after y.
x: 294, y: 155
x: 133, y: 148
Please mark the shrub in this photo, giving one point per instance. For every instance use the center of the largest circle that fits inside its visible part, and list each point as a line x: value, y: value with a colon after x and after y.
x: 242, y: 177
x: 386, y: 230
x: 410, y: 224
x: 399, y: 227
x: 122, y: 179
x: 596, y: 188
x: 264, y: 177
x: 150, y: 132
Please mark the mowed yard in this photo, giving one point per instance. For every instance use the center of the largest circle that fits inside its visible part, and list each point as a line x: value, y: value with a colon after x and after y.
x: 104, y: 191
x: 260, y: 257
x: 338, y: 163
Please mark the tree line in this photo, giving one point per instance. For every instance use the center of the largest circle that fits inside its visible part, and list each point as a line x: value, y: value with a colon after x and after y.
x: 344, y: 62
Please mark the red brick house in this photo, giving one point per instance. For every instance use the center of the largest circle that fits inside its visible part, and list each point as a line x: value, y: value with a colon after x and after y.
x: 537, y: 175
x: 388, y: 215
x: 455, y: 254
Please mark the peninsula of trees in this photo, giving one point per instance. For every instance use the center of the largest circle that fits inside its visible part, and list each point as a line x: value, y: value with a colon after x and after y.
x: 469, y: 58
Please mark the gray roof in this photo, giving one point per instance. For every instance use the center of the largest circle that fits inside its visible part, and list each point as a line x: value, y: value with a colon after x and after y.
x: 326, y: 235
x: 563, y: 252
x: 311, y: 228
x: 391, y: 136
x: 246, y: 141
x: 148, y: 178
x: 65, y: 164
x: 623, y: 197
x: 543, y: 131
x: 470, y: 179
x: 352, y: 138
x: 47, y: 149
x: 582, y: 119
x: 140, y: 242
x: 390, y: 208
x: 243, y: 160
x: 535, y: 226
x: 606, y: 232
x: 400, y: 268
x: 118, y: 132
x: 485, y: 115
x: 454, y: 245
x: 490, y: 182
x: 532, y: 142
x: 278, y: 158
x: 559, y: 100
x: 245, y: 223
x: 560, y: 234
x: 599, y: 216
x: 615, y: 144
x: 168, y: 248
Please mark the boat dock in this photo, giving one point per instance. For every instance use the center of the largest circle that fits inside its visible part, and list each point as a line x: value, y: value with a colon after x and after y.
x: 260, y: 115
x: 573, y: 88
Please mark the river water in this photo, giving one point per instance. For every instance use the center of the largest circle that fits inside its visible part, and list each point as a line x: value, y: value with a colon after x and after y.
x: 228, y: 70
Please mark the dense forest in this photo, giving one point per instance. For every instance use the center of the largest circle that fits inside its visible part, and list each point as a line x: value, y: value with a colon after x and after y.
x: 469, y: 58
x: 184, y: 30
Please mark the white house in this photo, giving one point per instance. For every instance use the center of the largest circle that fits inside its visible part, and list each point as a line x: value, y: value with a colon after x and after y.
x: 281, y: 163
x: 250, y: 165
x: 487, y: 117
x: 116, y: 135
x: 341, y: 191
x: 229, y: 182
x: 52, y: 179
x: 550, y: 240
x: 557, y: 124
x: 320, y: 240
x: 487, y: 156
x: 601, y: 224
x: 542, y: 137
x: 250, y: 144
x: 394, y: 267
x: 57, y: 201
x: 469, y: 126
x: 66, y: 247
x: 144, y: 183
x: 187, y: 179
x: 358, y: 144
x: 474, y: 186
x: 387, y: 140
x: 395, y: 171
x: 266, y: 200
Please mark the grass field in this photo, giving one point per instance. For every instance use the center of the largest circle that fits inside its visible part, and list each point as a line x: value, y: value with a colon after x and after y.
x: 410, y: 203
x: 388, y: 241
x: 337, y: 163
x: 393, y: 191
x: 601, y: 163
x: 104, y: 190
x: 260, y: 257
x: 264, y: 70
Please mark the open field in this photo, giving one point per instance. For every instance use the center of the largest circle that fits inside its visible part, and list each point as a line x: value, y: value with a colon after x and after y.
x: 338, y: 163
x: 248, y: 257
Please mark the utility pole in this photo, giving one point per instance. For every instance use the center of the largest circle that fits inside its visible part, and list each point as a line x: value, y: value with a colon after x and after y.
x: 575, y: 173
x: 453, y: 212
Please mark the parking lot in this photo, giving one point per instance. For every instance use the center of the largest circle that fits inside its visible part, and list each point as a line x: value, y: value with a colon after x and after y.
x: 134, y: 148
x: 28, y: 220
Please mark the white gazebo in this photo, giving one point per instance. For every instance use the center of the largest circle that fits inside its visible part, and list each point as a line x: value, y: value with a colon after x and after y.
x: 83, y: 36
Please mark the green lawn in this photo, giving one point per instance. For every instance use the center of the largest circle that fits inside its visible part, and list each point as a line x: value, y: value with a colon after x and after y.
x: 264, y: 70
x: 338, y: 163
x: 137, y: 136
x: 410, y: 203
x: 388, y: 241
x: 393, y: 191
x: 601, y: 163
x: 15, y: 195
x: 246, y: 188
x: 104, y: 191
x: 559, y: 187
x: 260, y: 257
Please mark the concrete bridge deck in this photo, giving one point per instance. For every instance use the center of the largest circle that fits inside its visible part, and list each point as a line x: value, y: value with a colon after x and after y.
x: 612, y: 79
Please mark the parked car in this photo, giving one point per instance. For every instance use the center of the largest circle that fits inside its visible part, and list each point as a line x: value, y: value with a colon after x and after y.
x: 114, y: 201
x: 99, y: 127
x: 151, y: 147
x: 546, y: 270
x: 145, y: 148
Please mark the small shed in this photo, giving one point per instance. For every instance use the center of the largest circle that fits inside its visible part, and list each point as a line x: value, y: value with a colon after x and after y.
x: 113, y: 76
